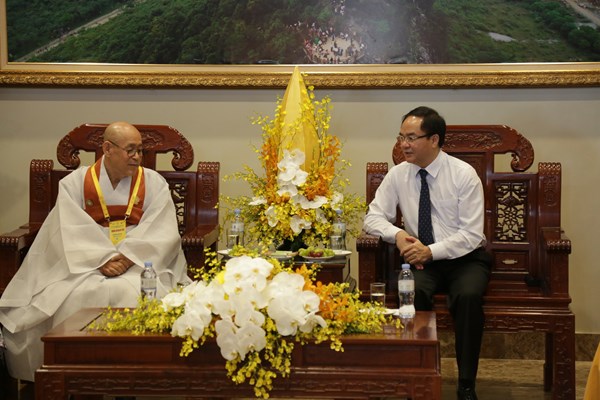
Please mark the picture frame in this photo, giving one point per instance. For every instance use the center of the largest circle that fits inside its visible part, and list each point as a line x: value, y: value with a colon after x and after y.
x: 276, y: 76
x: 259, y: 76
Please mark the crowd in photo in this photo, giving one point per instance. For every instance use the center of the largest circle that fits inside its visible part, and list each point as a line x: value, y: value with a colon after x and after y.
x: 327, y: 46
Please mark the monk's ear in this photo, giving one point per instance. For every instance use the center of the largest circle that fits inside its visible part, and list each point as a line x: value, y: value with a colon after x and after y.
x: 105, y: 146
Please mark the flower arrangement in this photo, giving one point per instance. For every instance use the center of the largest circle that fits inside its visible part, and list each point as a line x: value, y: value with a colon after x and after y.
x: 303, y: 186
x: 257, y: 310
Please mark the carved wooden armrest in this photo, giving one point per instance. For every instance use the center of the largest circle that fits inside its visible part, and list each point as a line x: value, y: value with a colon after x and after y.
x: 554, y: 261
x: 366, y: 242
x: 197, y: 240
x: 13, y: 248
x: 201, y: 236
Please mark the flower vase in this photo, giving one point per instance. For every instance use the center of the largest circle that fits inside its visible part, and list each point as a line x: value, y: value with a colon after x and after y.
x: 293, y: 245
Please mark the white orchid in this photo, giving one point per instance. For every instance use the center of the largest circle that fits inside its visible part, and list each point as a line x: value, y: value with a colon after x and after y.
x: 239, y: 297
x: 290, y: 306
x: 271, y: 214
x: 250, y: 337
x: 226, y: 339
x: 312, y: 320
x: 298, y: 224
x: 256, y: 201
x: 246, y: 272
x: 173, y: 300
x: 287, y: 189
x: 177, y: 299
x: 290, y: 170
x: 192, y: 322
x: 310, y: 204
x: 234, y: 341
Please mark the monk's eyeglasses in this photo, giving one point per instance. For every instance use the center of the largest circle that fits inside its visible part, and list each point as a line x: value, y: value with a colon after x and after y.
x: 130, y: 151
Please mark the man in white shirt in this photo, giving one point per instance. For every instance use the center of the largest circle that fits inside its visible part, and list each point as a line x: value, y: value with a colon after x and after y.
x: 452, y: 257
x: 108, y: 220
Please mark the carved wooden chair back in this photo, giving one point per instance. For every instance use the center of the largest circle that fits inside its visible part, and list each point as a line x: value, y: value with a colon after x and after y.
x: 193, y: 207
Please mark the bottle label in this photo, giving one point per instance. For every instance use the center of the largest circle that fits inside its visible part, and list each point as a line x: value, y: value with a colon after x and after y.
x: 406, y: 311
x: 406, y: 286
x: 339, y: 228
x: 148, y: 283
x: 237, y: 227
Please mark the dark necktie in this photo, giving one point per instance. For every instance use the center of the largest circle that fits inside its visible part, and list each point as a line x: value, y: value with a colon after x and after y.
x: 425, y: 228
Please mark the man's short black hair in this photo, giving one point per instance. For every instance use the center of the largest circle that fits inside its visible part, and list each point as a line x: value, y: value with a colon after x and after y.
x: 432, y: 124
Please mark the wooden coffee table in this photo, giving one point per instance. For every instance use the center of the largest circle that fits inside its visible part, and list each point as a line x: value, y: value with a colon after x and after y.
x: 391, y: 364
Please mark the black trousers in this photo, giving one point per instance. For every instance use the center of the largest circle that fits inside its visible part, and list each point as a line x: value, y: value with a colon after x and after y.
x: 464, y: 280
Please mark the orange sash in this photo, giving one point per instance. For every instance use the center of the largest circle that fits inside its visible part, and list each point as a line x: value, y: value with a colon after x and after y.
x: 117, y: 212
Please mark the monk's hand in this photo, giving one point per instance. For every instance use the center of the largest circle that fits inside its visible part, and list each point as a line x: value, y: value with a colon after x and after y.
x: 415, y: 252
x: 116, y: 266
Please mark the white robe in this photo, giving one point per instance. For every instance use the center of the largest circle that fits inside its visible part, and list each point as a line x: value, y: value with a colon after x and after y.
x: 60, y: 274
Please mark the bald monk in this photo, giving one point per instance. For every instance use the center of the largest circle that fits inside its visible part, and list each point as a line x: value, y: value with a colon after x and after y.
x: 108, y: 220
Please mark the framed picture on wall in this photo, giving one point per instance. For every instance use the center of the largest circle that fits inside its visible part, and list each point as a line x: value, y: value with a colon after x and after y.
x: 338, y: 43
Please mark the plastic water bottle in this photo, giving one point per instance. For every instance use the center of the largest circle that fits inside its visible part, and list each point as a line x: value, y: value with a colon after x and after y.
x: 236, y: 233
x: 406, y: 292
x: 338, y: 235
x: 148, y: 281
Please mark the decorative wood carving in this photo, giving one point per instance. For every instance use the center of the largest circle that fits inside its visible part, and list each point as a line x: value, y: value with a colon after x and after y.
x: 512, y: 206
x: 179, y: 193
x: 40, y: 180
x: 156, y: 139
x: 453, y: 77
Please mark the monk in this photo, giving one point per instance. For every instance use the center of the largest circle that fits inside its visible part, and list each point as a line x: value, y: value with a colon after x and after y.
x: 108, y: 220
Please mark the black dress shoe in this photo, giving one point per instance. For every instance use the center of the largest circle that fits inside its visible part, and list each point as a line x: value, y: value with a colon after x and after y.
x: 466, y: 393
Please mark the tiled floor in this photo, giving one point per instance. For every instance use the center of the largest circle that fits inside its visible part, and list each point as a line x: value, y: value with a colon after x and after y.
x: 504, y: 379
x: 498, y: 379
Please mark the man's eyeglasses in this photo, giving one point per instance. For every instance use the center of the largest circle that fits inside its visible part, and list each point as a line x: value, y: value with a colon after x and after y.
x: 410, y: 138
x: 131, y: 151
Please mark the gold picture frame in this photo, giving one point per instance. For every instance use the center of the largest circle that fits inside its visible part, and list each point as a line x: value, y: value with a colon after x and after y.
x: 277, y: 76
x: 259, y: 76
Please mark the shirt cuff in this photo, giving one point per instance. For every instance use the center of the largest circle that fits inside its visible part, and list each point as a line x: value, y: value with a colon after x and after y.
x: 389, y: 236
x: 438, y: 251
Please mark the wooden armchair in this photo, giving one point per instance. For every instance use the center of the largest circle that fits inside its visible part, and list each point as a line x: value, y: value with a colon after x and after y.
x: 195, y: 193
x: 529, y: 287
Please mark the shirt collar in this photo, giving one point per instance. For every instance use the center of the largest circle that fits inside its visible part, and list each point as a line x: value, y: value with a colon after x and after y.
x: 434, y: 168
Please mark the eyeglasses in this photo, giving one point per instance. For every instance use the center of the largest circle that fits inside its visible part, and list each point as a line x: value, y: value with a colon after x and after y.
x: 410, y: 138
x: 130, y: 152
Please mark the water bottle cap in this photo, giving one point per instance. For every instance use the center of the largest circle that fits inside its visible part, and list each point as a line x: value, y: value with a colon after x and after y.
x: 338, y: 211
x: 405, y: 266
x: 237, y: 211
x: 148, y: 264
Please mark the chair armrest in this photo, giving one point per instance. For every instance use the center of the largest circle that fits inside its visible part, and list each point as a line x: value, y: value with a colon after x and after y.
x: 197, y: 240
x: 13, y: 249
x: 554, y: 261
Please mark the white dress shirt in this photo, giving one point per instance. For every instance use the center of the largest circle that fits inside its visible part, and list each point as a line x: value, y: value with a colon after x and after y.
x: 457, y: 205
